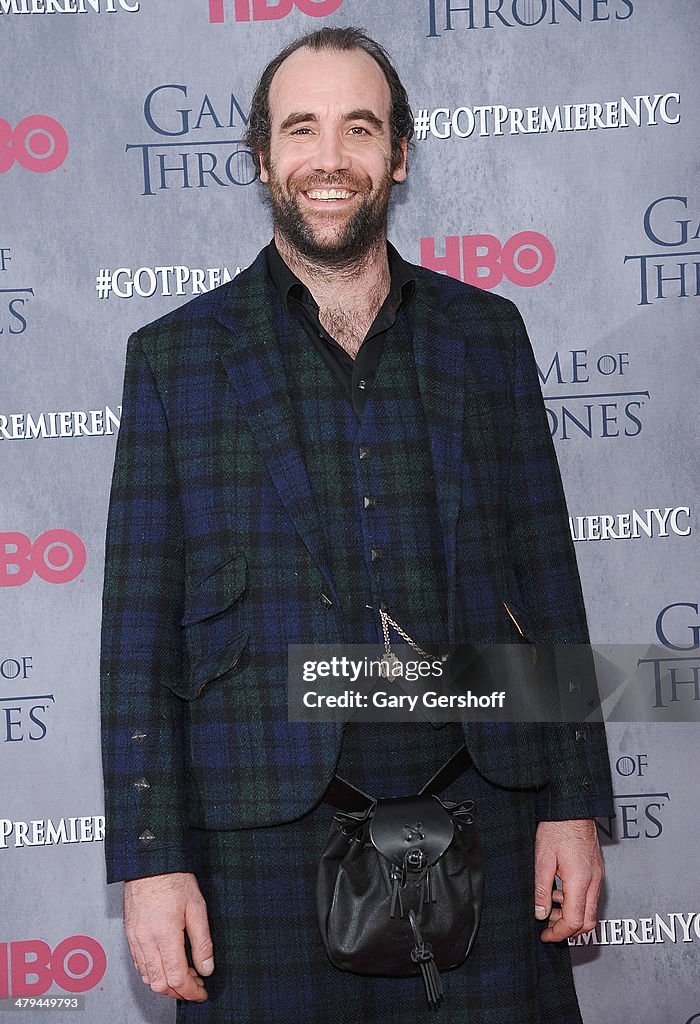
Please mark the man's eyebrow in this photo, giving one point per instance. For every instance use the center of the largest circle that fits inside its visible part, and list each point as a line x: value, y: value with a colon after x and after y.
x: 304, y: 117
x: 364, y: 114
x: 297, y: 117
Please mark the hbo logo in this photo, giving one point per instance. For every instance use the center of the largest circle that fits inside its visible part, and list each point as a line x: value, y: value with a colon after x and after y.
x: 526, y: 259
x: 271, y: 10
x: 38, y: 143
x: 77, y: 964
x: 57, y: 556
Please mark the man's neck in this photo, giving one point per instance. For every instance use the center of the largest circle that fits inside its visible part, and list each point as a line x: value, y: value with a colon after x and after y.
x: 348, y: 297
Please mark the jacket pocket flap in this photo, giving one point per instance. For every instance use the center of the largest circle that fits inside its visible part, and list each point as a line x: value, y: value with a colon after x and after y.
x: 214, y: 665
x: 216, y: 591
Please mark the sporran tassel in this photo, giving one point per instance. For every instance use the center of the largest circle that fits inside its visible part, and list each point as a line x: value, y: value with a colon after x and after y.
x: 396, y: 894
x: 433, y: 984
x: 422, y: 954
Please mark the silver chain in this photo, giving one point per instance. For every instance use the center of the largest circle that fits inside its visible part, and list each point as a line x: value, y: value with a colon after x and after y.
x: 387, y: 621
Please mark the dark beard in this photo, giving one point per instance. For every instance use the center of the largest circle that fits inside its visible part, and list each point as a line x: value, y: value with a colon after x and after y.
x: 363, y: 233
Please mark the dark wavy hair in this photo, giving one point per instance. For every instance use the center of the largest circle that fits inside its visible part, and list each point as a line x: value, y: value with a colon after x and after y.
x: 257, y: 135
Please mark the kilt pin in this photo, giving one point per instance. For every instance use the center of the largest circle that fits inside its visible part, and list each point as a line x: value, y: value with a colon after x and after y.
x: 220, y: 554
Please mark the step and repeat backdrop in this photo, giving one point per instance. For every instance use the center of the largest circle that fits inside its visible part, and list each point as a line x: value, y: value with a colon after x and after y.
x: 555, y: 160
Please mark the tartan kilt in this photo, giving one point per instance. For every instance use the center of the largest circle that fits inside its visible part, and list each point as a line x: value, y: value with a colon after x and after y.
x: 259, y: 885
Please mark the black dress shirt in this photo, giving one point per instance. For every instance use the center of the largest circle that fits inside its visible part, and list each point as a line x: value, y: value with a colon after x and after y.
x: 355, y: 376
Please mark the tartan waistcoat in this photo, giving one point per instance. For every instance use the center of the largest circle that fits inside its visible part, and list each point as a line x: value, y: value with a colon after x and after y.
x: 374, y: 487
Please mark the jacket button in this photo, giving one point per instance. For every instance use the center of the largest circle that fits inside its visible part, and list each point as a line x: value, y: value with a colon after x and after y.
x: 325, y: 601
x: 586, y: 783
x: 138, y: 737
x: 376, y: 554
x: 142, y: 784
x: 580, y: 734
x: 369, y: 502
x: 364, y: 451
x: 146, y: 837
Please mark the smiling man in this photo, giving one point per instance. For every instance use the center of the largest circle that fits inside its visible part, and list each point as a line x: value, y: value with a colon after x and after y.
x: 336, y: 214
x: 330, y: 165
x: 334, y: 437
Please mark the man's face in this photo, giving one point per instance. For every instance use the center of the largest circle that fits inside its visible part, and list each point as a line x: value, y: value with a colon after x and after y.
x: 329, y: 167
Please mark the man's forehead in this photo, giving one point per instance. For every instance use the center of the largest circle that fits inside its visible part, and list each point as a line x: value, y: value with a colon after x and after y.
x: 308, y: 76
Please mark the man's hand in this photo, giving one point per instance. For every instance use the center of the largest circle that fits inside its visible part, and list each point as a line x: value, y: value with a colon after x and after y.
x: 569, y: 849
x: 157, y: 912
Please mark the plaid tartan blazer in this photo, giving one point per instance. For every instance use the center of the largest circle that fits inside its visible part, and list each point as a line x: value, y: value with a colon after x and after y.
x: 215, y: 562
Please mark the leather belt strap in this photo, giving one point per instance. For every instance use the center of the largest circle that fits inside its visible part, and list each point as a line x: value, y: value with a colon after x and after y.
x: 343, y: 795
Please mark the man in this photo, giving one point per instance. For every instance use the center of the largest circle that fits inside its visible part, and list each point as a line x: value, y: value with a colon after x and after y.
x: 333, y: 435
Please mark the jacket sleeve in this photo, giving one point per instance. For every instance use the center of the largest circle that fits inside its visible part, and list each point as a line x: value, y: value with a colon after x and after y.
x: 542, y: 555
x: 142, y: 727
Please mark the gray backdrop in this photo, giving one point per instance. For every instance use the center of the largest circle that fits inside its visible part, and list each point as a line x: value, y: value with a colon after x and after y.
x: 573, y: 122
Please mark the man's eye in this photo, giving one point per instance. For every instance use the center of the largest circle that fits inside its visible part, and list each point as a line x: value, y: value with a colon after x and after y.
x: 301, y: 131
x: 357, y: 129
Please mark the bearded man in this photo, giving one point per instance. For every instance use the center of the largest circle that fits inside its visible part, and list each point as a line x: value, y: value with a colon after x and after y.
x: 334, y: 436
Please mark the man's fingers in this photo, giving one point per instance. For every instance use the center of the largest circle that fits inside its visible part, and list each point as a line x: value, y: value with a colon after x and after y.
x: 179, y: 978
x: 197, y: 926
x: 545, y: 869
x: 573, y: 911
x: 138, y: 958
x: 592, y: 898
x: 579, y: 911
x: 168, y: 972
x: 162, y: 988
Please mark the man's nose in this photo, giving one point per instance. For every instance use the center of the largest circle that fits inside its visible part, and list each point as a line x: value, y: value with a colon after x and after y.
x: 331, y: 154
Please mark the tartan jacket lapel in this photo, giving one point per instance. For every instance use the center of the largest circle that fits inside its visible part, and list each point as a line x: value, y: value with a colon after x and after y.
x: 254, y: 364
x: 440, y: 356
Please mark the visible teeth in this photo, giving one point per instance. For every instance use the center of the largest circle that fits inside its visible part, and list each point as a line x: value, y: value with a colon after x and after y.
x: 329, y: 193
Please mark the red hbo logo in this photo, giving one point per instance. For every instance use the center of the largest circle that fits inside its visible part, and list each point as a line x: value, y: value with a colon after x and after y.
x: 77, y: 964
x: 270, y: 10
x: 38, y: 143
x: 526, y: 259
x: 57, y: 556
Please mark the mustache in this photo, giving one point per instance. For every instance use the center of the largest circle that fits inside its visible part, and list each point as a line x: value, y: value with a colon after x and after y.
x: 338, y: 179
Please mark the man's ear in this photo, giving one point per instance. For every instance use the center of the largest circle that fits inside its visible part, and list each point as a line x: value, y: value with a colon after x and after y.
x: 401, y: 170
x: 264, y: 173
